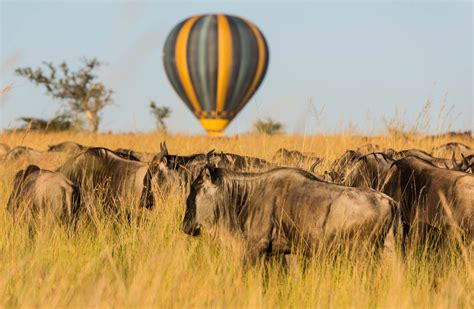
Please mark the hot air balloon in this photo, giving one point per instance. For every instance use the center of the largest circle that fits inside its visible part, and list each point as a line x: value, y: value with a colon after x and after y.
x: 215, y: 64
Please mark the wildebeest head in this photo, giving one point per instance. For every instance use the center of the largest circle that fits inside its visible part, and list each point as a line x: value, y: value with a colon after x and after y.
x: 338, y: 167
x: 162, y: 155
x: 164, y: 176
x: 466, y: 164
x: 201, y: 204
x: 181, y: 168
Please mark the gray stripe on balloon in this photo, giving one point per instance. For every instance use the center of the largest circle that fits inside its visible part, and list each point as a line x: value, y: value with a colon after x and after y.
x: 248, y: 64
x: 169, y: 62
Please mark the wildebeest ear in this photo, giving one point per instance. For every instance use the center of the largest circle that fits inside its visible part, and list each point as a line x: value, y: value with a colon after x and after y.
x: 208, y: 171
x: 313, y: 166
x: 209, y: 174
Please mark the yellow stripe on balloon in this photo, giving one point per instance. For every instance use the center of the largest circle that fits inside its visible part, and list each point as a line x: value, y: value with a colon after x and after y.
x: 261, y: 63
x: 224, y: 61
x: 182, y: 62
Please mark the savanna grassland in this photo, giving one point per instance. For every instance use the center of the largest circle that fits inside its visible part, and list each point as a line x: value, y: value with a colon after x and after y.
x: 149, y: 262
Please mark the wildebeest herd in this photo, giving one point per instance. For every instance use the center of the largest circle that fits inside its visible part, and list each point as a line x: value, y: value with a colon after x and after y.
x: 271, y: 208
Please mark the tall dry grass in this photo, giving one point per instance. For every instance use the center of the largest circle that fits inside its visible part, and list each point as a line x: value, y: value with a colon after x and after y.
x: 149, y: 262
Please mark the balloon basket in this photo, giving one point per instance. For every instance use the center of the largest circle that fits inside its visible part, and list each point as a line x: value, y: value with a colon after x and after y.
x: 214, y: 127
x: 215, y: 133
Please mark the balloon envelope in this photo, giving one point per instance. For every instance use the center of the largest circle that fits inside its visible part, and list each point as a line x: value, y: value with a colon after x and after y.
x: 215, y: 63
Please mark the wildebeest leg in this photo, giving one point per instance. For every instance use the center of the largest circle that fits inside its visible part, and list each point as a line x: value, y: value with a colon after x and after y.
x: 255, y: 252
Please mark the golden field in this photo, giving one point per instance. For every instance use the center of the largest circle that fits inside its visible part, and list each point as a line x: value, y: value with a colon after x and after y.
x: 149, y: 262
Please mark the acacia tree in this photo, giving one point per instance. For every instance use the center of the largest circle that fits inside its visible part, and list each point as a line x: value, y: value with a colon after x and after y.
x: 80, y: 90
x: 160, y: 113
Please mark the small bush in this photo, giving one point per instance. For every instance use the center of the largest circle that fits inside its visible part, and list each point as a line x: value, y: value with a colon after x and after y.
x: 268, y: 126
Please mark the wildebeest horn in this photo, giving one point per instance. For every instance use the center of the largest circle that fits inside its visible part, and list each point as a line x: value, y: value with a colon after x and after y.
x: 163, y: 153
x: 464, y: 160
x: 208, y: 157
x: 163, y: 148
x: 455, y: 164
x: 313, y: 166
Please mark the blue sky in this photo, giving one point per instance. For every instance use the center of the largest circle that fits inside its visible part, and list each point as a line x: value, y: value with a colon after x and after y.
x: 331, y: 63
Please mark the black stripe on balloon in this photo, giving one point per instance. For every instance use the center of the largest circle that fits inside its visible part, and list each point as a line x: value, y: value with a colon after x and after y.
x: 248, y: 64
x: 169, y: 62
x: 194, y: 51
x: 236, y: 55
x: 201, y: 56
x: 209, y: 69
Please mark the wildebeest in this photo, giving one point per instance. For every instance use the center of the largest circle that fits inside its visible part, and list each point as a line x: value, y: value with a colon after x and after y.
x: 119, y: 182
x: 22, y: 152
x: 438, y: 162
x: 450, y: 149
x: 188, y: 167
x: 367, y: 171
x: 413, y: 153
x: 341, y: 165
x: 296, y: 158
x: 369, y: 148
x: 274, y: 212
x: 466, y: 165
x: 135, y: 155
x: 241, y: 163
x: 44, y: 194
x: 71, y: 148
x: 420, y: 188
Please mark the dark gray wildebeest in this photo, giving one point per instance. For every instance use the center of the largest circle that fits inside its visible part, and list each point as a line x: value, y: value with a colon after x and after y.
x: 135, y: 155
x: 450, y: 149
x: 71, y: 148
x: 283, y: 210
x: 438, y: 162
x: 220, y: 159
x: 296, y: 158
x: 341, y: 165
x: 102, y: 175
x: 240, y: 163
x: 431, y: 199
x: 186, y: 168
x: 368, y: 171
x: 373, y: 148
x: 43, y: 194
x: 22, y: 152
x: 4, y: 149
x: 467, y: 164
x: 369, y: 148
x: 412, y: 153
